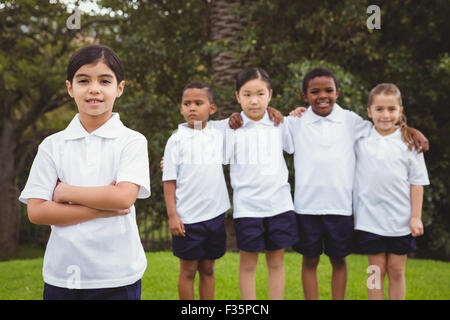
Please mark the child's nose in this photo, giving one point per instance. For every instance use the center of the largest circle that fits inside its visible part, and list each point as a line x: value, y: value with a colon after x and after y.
x: 94, y: 88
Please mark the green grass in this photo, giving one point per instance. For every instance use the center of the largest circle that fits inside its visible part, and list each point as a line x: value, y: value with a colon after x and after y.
x: 426, y: 279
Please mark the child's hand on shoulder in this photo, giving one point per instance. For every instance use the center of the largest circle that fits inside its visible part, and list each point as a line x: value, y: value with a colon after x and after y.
x: 275, y: 116
x: 235, y: 121
x: 297, y: 112
x: 416, y: 227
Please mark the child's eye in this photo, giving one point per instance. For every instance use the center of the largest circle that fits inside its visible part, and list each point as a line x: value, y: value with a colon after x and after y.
x: 82, y: 81
x: 106, y: 81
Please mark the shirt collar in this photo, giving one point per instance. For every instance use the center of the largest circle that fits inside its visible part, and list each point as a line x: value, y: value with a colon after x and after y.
x: 184, y: 129
x: 374, y: 134
x: 110, y: 129
x: 336, y: 115
x: 265, y: 119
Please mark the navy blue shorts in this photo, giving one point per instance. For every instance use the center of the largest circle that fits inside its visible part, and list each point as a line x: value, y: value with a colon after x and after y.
x: 129, y: 292
x: 270, y: 233
x: 371, y: 243
x: 331, y: 234
x: 204, y: 240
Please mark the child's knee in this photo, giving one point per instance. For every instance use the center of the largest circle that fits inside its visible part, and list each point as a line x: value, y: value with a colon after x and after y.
x: 396, y: 273
x: 188, y: 270
x: 338, y: 263
x: 310, y: 262
x: 275, y: 262
x: 206, y: 269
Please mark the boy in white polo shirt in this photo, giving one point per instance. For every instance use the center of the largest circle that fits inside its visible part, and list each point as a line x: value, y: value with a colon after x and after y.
x: 94, y: 250
x: 195, y: 191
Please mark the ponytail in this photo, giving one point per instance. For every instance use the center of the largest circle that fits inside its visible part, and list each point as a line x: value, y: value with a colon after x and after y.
x: 405, y: 130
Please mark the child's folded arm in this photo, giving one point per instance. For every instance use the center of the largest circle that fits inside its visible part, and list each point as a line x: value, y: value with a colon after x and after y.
x: 46, y: 212
x: 111, y: 197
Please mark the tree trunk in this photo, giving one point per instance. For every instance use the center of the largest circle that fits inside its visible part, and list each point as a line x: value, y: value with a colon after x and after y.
x: 10, y: 208
x: 224, y: 28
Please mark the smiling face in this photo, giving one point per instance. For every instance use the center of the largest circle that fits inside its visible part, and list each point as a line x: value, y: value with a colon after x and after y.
x: 254, y: 97
x: 385, y: 112
x: 321, y: 95
x: 196, y: 107
x: 94, y: 88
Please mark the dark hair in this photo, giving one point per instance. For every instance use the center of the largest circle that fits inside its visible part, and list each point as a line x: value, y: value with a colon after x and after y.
x: 250, y: 74
x: 92, y: 54
x: 317, y: 72
x: 200, y: 85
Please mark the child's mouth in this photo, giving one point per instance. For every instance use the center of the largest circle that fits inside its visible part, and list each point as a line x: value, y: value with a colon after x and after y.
x: 94, y: 101
x: 323, y: 104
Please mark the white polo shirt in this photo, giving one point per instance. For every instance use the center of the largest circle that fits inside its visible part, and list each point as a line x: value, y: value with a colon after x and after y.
x: 194, y: 159
x: 104, y: 252
x: 385, y: 171
x: 258, y: 171
x: 324, y: 160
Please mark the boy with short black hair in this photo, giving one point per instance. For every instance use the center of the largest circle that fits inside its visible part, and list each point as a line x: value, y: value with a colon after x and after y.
x: 195, y: 192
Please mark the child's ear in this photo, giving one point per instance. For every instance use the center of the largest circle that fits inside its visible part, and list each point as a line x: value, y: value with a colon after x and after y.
x: 69, y: 88
x: 237, y: 96
x: 304, y: 97
x: 212, y: 108
x: 369, y: 112
x: 270, y: 94
x: 120, y: 88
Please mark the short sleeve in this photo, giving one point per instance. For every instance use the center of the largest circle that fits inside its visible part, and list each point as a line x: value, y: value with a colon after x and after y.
x: 171, y: 160
x: 42, y: 179
x: 134, y: 165
x: 288, y: 143
x: 417, y: 170
x: 362, y: 127
x: 221, y: 125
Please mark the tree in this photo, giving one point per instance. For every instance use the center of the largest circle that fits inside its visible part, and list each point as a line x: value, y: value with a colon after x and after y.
x: 225, y: 27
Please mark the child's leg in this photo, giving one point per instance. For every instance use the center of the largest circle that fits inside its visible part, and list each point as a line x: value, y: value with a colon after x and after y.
x: 309, y: 277
x: 247, y: 268
x: 396, y: 271
x: 188, y: 269
x: 338, y: 278
x: 207, y: 280
x: 275, y: 264
x: 376, y: 291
